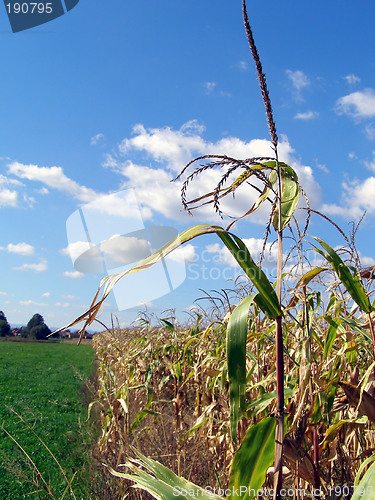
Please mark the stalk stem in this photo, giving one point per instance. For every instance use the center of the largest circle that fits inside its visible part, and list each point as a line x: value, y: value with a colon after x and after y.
x: 279, y: 437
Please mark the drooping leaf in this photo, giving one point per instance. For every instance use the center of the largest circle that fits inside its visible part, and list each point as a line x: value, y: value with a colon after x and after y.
x: 161, y: 482
x: 236, y: 360
x: 233, y: 243
x: 290, y: 195
x: 306, y: 278
x: 242, y: 255
x: 253, y: 458
x: 349, y: 280
x: 352, y: 323
x: 360, y: 399
x: 334, y: 429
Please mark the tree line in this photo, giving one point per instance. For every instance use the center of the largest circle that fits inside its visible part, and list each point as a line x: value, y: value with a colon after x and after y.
x: 35, y: 328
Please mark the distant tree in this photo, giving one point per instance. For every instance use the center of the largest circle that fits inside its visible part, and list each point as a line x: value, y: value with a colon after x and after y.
x: 4, y: 325
x: 36, y: 328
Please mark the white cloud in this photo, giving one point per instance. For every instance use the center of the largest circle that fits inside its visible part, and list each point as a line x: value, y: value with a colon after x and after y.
x: 31, y: 303
x: 371, y: 164
x: 175, y: 147
x: 186, y: 253
x: 29, y: 200
x: 109, y: 162
x: 74, y: 250
x: 370, y: 131
x: 62, y: 304
x: 357, y: 197
x: 322, y: 167
x: 299, y: 81
x: 352, y: 79
x: 73, y: 274
x: 46, y: 294
x: 366, y: 261
x: 19, y: 248
x: 96, y: 138
x: 8, y: 181
x: 307, y: 115
x: 359, y: 104
x: 8, y: 198
x: 53, y: 177
x: 39, y: 268
x: 172, y: 149
x: 243, y: 65
x: 209, y: 86
x: 69, y: 297
x: 120, y: 250
x: 3, y: 293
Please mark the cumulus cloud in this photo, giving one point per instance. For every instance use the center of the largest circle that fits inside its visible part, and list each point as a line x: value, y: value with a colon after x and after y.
x: 46, y: 294
x: 357, y: 197
x: 307, y: 115
x: 53, y: 177
x: 8, y: 198
x: 172, y: 149
x: 39, y: 268
x: 76, y: 249
x: 183, y: 254
x: 358, y: 105
x: 73, y: 274
x: 19, y: 248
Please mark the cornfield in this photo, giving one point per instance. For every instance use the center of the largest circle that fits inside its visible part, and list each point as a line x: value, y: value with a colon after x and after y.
x: 277, y: 392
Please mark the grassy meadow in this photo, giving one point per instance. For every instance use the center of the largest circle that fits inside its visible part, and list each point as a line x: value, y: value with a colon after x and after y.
x: 42, y: 383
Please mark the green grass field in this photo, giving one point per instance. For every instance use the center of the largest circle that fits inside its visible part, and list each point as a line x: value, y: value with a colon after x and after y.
x: 42, y: 382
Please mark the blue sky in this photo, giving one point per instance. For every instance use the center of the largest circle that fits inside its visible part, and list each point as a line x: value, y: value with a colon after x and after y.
x: 118, y: 95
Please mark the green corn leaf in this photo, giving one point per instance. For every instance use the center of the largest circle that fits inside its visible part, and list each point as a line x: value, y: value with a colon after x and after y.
x: 352, y: 323
x: 160, y: 481
x: 262, y: 402
x: 253, y: 458
x: 264, y: 305
x: 243, y: 257
x: 331, y: 335
x: 306, y: 278
x: 349, y: 280
x: 236, y: 355
x: 290, y: 195
x: 316, y: 414
x: 365, y: 488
